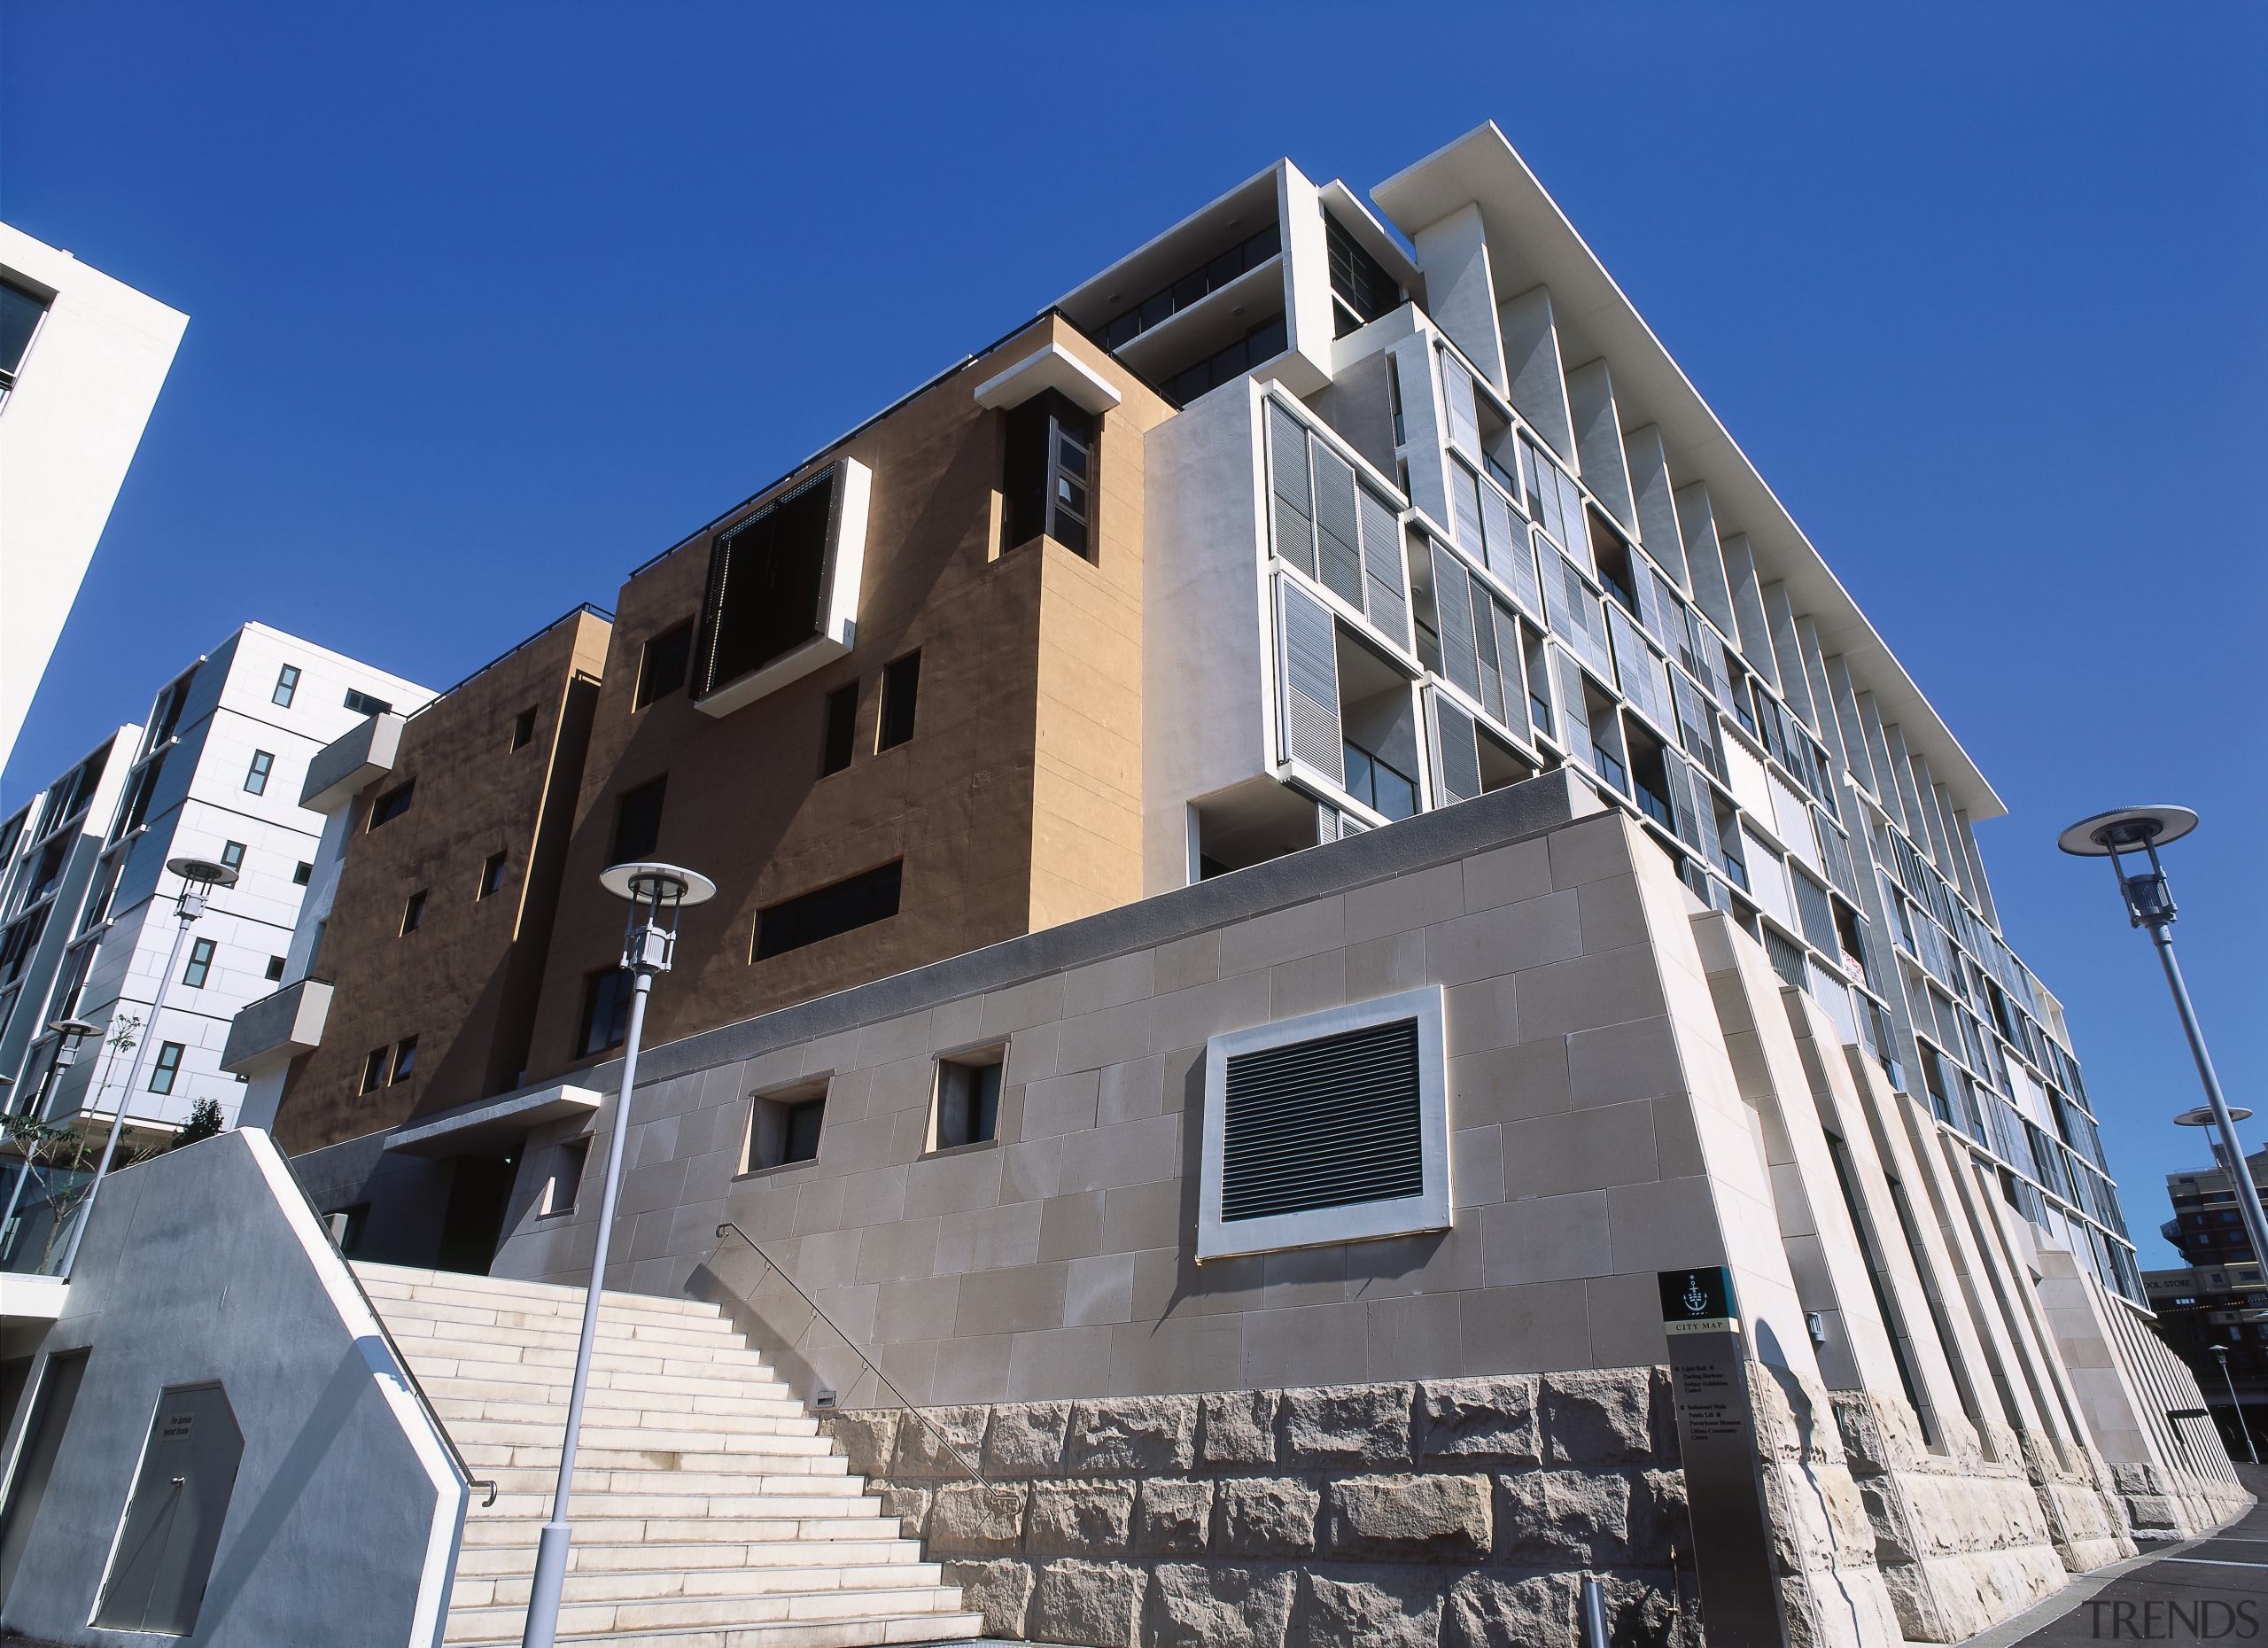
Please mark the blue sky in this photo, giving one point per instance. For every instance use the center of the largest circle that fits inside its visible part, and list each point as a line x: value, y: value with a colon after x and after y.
x: 489, y: 304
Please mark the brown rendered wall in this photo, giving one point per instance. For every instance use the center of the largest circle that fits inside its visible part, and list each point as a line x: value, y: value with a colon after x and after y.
x: 1016, y: 804
x: 464, y: 984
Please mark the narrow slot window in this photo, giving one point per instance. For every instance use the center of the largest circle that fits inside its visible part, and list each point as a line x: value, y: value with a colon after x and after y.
x: 287, y: 686
x: 901, y: 687
x: 638, y: 821
x: 256, y: 775
x: 232, y: 854
x: 405, y: 1059
x: 302, y: 873
x: 606, y: 1012
x: 274, y: 968
x: 560, y: 1188
x: 363, y: 704
x: 841, y: 724
x: 491, y: 874
x: 413, y: 913
x: 524, y: 729
x: 847, y: 904
x: 200, y: 964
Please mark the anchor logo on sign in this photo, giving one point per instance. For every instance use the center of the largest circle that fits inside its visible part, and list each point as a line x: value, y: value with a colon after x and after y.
x: 1695, y: 1300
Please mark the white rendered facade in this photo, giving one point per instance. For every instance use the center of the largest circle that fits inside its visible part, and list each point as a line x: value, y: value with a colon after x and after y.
x: 1732, y: 696
x: 91, y: 942
x: 94, y: 352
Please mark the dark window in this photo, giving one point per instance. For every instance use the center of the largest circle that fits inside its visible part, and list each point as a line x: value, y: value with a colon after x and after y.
x: 638, y: 822
x: 524, y: 729
x: 606, y: 1012
x: 1199, y: 284
x: 256, y: 778
x: 413, y: 913
x: 275, y: 968
x: 145, y: 790
x: 1362, y: 289
x: 969, y: 1101
x: 302, y: 873
x: 287, y: 683
x: 168, y: 1065
x: 841, y: 720
x: 784, y: 1128
x: 663, y: 670
x: 232, y: 854
x: 363, y: 704
x: 559, y: 1189
x: 405, y: 1059
x: 871, y: 897
x: 392, y: 805
x: 492, y: 874
x: 901, y: 687
x: 1379, y: 786
x: 200, y: 964
x: 19, y: 313
x: 374, y: 1070
x: 346, y: 1225
x: 1048, y: 477
x: 1263, y: 343
x: 768, y: 585
x: 50, y: 872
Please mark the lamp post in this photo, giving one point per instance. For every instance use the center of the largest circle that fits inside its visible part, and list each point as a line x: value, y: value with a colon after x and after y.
x: 2222, y: 1351
x: 2149, y: 903
x: 73, y: 1031
x: 198, y: 878
x: 656, y: 891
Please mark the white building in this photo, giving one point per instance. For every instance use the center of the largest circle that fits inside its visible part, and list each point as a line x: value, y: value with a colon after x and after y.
x: 216, y: 774
x: 81, y: 359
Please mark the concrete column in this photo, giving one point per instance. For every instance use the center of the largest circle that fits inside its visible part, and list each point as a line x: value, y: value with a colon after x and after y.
x: 1704, y: 558
x: 1656, y: 503
x: 1534, y: 381
x: 1460, y: 294
x: 1598, y: 438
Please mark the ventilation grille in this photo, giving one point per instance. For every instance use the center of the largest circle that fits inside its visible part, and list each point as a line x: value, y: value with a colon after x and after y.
x: 1322, y: 1124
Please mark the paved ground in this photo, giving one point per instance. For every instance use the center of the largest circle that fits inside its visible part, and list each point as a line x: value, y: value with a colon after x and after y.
x: 2208, y: 1591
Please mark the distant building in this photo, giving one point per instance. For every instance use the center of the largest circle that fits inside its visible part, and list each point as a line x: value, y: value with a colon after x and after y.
x: 87, y: 900
x: 81, y: 359
x: 2219, y: 1299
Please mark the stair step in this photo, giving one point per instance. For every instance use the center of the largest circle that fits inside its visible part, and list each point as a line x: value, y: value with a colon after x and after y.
x: 520, y: 1525
x: 460, y: 1409
x: 877, y: 1550
x: 649, y: 1584
x: 504, y: 1621
x: 395, y: 1281
x: 916, y: 1629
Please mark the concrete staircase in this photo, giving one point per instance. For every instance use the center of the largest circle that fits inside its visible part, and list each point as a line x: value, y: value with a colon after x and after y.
x: 709, y: 1511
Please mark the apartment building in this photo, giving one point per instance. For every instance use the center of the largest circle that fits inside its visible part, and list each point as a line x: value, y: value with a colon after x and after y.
x: 1332, y: 624
x: 2214, y: 1310
x: 215, y: 774
x: 82, y: 357
x: 411, y: 985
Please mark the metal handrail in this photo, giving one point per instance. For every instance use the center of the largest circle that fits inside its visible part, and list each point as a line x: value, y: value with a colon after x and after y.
x: 400, y: 1361
x: 944, y: 1441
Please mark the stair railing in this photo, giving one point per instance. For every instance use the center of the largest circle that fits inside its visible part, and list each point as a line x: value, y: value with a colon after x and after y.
x: 929, y: 1424
x: 400, y: 1360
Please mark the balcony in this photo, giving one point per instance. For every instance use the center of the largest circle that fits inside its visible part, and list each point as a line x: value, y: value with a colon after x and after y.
x: 277, y: 1028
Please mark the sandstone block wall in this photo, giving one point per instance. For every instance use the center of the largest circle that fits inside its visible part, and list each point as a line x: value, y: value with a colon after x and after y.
x: 1459, y: 1512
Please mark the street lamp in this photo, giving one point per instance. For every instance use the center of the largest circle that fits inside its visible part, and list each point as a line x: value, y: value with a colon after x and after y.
x: 2222, y: 1351
x: 657, y: 893
x: 2149, y: 903
x: 198, y: 878
x: 73, y: 1031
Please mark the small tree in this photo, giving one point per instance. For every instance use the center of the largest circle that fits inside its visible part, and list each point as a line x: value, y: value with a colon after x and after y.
x: 203, y: 1122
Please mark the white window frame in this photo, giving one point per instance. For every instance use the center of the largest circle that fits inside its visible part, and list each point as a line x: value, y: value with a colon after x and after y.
x: 1361, y: 1221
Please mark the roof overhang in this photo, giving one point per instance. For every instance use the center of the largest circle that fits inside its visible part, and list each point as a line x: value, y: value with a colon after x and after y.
x: 1052, y: 368
x: 493, y: 1123
x: 1531, y: 242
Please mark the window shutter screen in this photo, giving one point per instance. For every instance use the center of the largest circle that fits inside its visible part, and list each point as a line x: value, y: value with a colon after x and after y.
x: 1337, y: 533
x: 1514, y: 666
x: 1389, y: 608
x: 1835, y: 855
x: 1453, y: 610
x: 1697, y: 726
x: 1465, y: 423
x: 1492, y: 663
x: 1688, y: 796
x: 1310, y: 683
x: 1287, y: 451
x: 1456, y: 763
x: 1464, y: 502
x: 1574, y: 709
x: 1496, y: 530
x: 1579, y: 532
x: 1812, y: 908
x: 1559, y: 616
x: 1665, y: 613
x: 1636, y: 669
